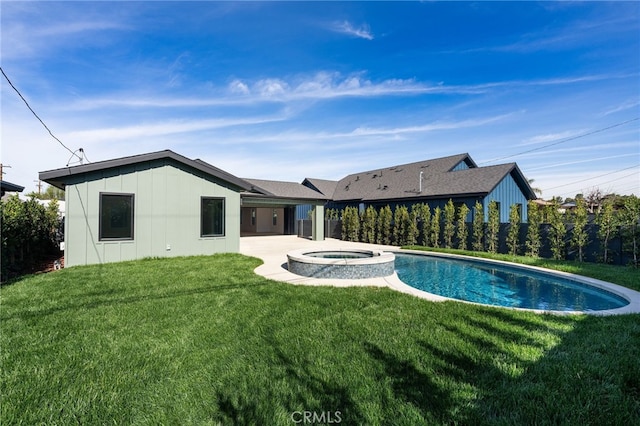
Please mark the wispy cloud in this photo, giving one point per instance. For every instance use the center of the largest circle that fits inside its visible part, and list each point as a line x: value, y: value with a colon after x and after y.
x: 163, y: 128
x: 632, y: 103
x: 346, y: 27
x: 550, y: 137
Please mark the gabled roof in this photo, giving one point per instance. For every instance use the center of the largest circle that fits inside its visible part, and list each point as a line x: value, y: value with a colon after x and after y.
x: 436, y: 178
x: 10, y: 187
x: 280, y: 189
x: 323, y: 186
x: 59, y: 177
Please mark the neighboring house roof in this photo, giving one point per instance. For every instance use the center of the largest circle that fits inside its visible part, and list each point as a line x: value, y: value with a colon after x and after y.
x: 434, y: 178
x: 323, y: 186
x: 279, y: 189
x: 58, y: 177
x: 10, y: 187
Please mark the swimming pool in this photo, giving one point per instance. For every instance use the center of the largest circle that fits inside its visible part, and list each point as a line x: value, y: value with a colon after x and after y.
x: 501, y: 285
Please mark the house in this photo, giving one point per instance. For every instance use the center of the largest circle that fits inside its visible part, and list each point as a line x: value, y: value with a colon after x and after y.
x: 9, y: 187
x: 163, y: 204
x: 433, y: 182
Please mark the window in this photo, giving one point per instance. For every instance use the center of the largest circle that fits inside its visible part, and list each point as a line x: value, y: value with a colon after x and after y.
x: 116, y: 216
x: 212, y: 217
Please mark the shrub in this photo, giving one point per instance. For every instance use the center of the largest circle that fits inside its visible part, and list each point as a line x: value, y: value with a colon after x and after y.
x: 557, y: 231
x: 423, y: 218
x: 350, y: 224
x: 462, y: 231
x: 434, y: 234
x: 534, y: 241
x: 384, y: 225
x: 412, y: 227
x: 629, y: 218
x: 513, y: 235
x: 493, y: 227
x: 579, y: 237
x: 369, y: 219
x: 29, y: 234
x: 401, y: 222
x: 606, y: 226
x: 449, y: 225
x: 478, y: 227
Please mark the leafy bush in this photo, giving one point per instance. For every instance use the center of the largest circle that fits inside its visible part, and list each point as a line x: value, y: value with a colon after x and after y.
x: 29, y: 234
x: 478, y: 227
x: 449, y: 226
x: 384, y: 225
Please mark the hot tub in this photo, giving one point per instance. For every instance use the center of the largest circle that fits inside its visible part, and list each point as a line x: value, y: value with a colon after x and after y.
x: 341, y: 263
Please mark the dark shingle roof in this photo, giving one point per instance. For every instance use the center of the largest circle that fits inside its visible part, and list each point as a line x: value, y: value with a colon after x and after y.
x: 438, y: 180
x: 280, y: 189
x: 10, y: 187
x: 325, y: 187
x: 58, y: 177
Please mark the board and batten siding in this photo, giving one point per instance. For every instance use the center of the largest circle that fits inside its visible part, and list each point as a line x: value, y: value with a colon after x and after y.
x: 506, y: 193
x: 167, y: 200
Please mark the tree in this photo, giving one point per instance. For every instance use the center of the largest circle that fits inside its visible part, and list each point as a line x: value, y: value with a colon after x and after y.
x: 29, y: 234
x: 579, y: 237
x: 50, y: 193
x: 350, y: 224
x: 449, y: 225
x: 412, y: 228
x: 369, y: 220
x: 557, y: 231
x: 513, y: 235
x: 401, y: 223
x: 534, y: 241
x: 423, y: 213
x: 594, y: 199
x: 536, y: 190
x: 478, y: 227
x: 493, y: 227
x: 462, y: 230
x: 434, y: 234
x: 606, y: 226
x: 384, y: 225
x: 629, y: 219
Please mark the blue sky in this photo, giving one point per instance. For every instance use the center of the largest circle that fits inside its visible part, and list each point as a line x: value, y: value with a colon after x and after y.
x: 287, y: 90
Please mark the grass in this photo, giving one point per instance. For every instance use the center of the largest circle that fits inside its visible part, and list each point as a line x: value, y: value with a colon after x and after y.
x: 203, y: 340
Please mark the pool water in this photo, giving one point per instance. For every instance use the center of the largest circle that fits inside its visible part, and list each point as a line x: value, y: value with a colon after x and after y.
x: 339, y: 254
x: 501, y: 285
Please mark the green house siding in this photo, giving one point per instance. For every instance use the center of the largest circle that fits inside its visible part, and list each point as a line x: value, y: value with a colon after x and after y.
x: 506, y: 193
x: 167, y: 205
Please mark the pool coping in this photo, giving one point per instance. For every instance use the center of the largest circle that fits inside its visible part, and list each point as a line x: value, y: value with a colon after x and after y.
x: 273, y: 252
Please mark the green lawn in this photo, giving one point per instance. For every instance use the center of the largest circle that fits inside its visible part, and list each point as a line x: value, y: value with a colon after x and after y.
x: 203, y: 340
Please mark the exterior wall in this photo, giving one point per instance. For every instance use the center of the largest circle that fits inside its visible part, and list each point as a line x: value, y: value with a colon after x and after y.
x: 506, y: 193
x: 166, y: 214
x: 460, y: 166
x: 263, y: 223
x: 303, y: 211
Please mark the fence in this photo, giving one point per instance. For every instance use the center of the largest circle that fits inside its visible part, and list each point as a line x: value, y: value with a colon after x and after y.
x: 592, y: 252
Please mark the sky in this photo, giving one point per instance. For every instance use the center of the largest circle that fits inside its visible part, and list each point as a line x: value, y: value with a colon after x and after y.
x: 289, y: 90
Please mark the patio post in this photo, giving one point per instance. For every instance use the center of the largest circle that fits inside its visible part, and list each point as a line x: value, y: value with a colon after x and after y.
x: 317, y: 223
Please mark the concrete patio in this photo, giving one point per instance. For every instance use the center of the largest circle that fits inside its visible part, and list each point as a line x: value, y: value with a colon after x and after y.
x: 273, y: 252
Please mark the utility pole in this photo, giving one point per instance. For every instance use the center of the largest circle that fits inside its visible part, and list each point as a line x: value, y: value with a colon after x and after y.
x: 39, y: 186
x: 2, y: 172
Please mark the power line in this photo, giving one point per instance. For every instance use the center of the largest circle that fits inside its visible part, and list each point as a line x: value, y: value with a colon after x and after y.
x: 594, y: 177
x: 36, y: 115
x: 606, y: 182
x: 558, y: 142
